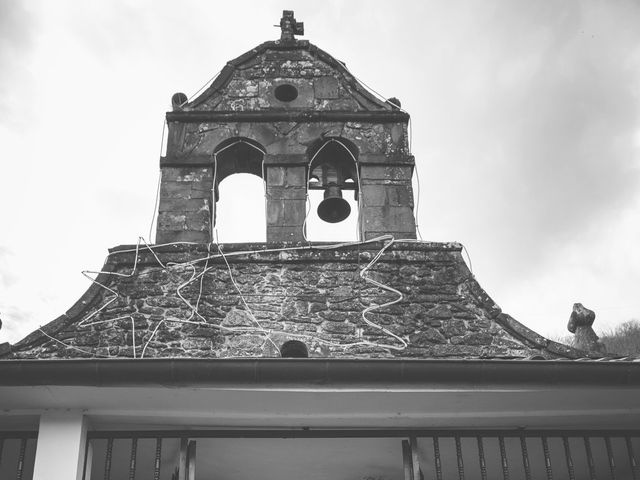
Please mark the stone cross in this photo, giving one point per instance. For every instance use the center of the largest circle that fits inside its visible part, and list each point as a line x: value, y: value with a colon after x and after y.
x: 289, y: 26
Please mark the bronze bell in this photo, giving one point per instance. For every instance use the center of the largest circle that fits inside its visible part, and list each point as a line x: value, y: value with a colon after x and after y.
x: 333, y: 208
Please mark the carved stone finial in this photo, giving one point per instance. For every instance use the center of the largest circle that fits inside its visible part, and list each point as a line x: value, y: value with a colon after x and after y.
x: 580, y: 324
x: 289, y: 26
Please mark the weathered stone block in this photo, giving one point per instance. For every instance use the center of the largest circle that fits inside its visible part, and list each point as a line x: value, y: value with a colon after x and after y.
x: 326, y: 87
x: 476, y: 323
x: 166, y: 302
x: 152, y: 310
x: 287, y: 193
x: 242, y: 88
x: 276, y: 176
x: 430, y: 335
x: 183, y: 205
x: 246, y: 342
x: 237, y: 318
x: 478, y: 338
x: 379, y: 172
x: 285, y: 212
x: 171, y: 221
x: 441, y: 312
x: 339, y: 328
x: 172, y: 189
x: 183, y: 174
x: 453, y: 327
x: 168, y: 236
x: 388, y: 219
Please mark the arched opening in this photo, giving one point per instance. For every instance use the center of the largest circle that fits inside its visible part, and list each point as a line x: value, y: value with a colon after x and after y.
x: 294, y: 349
x: 239, y: 203
x: 333, y: 189
x: 240, y: 213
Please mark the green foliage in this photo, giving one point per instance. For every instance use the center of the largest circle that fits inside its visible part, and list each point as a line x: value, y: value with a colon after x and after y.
x: 623, y: 339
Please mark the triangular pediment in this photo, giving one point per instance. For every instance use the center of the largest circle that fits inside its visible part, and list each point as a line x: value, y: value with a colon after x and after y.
x: 290, y: 76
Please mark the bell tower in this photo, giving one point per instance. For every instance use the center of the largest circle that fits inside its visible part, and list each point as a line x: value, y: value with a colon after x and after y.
x: 293, y: 115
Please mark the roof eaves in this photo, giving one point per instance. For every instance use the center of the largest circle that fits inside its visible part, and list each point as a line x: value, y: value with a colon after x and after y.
x: 318, y: 372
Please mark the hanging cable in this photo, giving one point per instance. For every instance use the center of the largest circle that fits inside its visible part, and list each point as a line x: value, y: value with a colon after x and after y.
x: 156, y: 202
x: 204, y: 85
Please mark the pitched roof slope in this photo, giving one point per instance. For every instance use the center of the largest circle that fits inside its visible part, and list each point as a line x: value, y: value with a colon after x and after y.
x: 379, y: 299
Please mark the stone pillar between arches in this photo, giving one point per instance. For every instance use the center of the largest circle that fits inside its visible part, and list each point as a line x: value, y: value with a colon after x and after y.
x: 286, y: 202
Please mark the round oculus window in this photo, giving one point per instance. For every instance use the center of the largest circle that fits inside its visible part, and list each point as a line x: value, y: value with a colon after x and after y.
x: 286, y: 93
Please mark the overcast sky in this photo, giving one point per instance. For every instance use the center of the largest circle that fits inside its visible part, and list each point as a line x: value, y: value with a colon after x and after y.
x: 525, y: 119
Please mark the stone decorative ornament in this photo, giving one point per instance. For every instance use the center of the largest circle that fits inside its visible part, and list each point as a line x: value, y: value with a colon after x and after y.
x: 580, y: 324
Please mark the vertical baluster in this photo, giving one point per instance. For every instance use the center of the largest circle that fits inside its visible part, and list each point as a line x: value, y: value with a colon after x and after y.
x: 436, y: 455
x: 132, y: 462
x: 459, y: 456
x: 612, y: 463
x: 525, y: 457
x: 547, y: 458
x: 483, y: 464
x: 156, y: 464
x: 632, y: 459
x: 407, y: 461
x: 107, y: 459
x: 567, y: 454
x: 503, y: 459
x: 590, y: 463
x: 20, y: 469
x: 415, y: 460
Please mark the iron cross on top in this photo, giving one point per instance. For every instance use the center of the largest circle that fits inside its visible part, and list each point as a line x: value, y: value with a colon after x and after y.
x: 289, y: 26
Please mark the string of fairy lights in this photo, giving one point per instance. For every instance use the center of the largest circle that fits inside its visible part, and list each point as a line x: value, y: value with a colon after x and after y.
x: 196, y: 318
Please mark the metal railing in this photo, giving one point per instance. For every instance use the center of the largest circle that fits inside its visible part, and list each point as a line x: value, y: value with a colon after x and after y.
x: 425, y: 454
x: 17, y: 455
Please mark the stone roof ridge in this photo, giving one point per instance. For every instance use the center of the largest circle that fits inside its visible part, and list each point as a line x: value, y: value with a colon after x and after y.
x: 222, y: 80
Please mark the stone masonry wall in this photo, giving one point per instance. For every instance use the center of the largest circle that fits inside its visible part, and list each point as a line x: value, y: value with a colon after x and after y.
x: 316, y: 296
